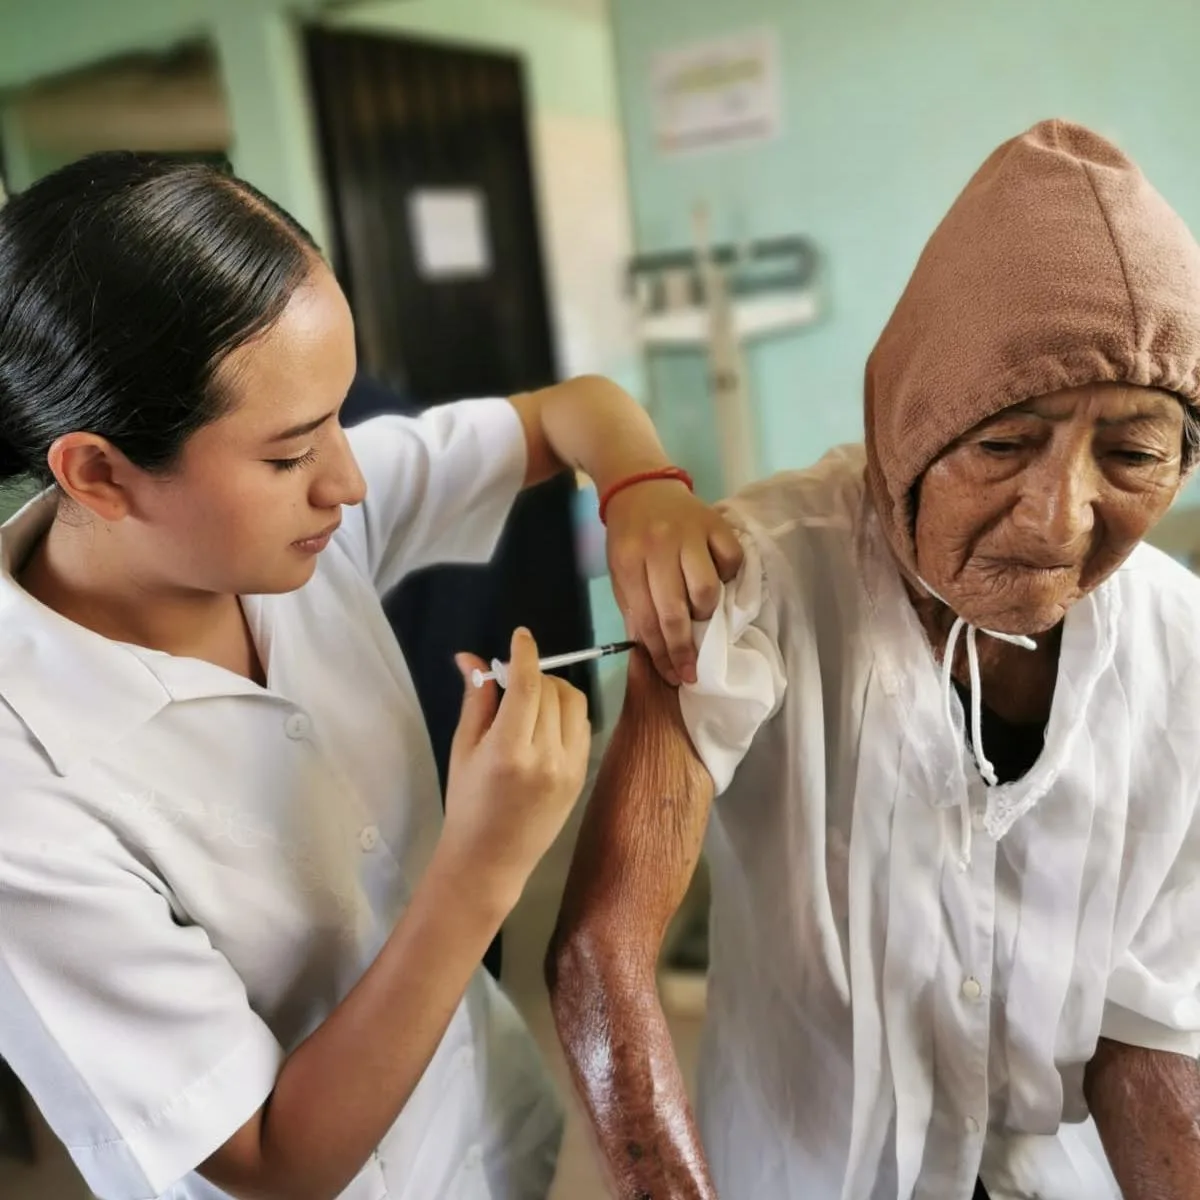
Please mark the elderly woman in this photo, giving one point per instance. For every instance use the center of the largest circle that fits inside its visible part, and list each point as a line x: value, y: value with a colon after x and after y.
x: 951, y: 706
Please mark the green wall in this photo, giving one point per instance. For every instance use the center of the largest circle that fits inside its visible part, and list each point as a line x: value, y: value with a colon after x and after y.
x: 260, y: 67
x: 50, y: 36
x: 889, y: 108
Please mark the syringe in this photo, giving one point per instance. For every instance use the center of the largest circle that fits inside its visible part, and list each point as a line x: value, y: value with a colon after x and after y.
x: 499, y: 671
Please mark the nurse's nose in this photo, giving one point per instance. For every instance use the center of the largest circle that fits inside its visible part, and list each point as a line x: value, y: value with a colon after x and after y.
x: 341, y: 482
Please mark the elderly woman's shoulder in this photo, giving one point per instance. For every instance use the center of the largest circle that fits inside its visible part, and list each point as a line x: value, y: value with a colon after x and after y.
x: 1162, y: 596
x: 1159, y: 573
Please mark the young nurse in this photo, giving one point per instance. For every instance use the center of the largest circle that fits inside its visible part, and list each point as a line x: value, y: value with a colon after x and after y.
x: 239, y: 943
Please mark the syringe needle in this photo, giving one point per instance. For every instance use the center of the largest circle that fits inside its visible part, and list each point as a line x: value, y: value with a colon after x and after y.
x: 499, y: 671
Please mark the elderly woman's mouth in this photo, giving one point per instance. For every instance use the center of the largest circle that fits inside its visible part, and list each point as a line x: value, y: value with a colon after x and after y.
x: 1030, y: 565
x: 1040, y: 568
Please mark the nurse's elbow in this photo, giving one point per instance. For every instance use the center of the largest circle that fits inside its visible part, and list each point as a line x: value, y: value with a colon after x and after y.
x: 252, y: 1165
x: 268, y: 1185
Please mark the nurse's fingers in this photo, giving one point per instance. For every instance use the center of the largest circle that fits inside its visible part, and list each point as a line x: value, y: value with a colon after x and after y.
x: 564, y: 737
x: 622, y: 603
x: 576, y: 730
x: 726, y: 551
x: 479, y: 704
x: 676, y: 662
x: 547, y: 734
x: 518, y: 715
x: 643, y: 624
x: 703, y: 581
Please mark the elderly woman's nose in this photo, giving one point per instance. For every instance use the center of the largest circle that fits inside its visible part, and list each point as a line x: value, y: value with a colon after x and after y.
x: 1057, y: 501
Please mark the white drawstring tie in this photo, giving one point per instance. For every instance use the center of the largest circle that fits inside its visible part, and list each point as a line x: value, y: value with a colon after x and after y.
x: 986, y: 769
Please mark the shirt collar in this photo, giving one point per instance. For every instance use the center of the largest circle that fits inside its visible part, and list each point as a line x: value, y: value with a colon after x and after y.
x: 76, y: 692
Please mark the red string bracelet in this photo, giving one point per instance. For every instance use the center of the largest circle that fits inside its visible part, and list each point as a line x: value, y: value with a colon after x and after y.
x: 676, y: 473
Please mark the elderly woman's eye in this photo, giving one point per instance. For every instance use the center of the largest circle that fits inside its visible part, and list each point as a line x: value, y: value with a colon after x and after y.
x: 1000, y: 446
x: 1136, y: 458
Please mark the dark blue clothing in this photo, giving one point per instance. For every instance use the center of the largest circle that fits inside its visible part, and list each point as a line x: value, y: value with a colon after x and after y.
x: 532, y: 580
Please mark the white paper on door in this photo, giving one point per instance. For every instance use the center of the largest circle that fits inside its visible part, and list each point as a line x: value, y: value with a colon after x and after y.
x: 449, y: 233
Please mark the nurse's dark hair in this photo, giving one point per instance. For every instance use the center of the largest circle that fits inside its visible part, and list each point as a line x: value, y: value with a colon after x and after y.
x: 125, y: 279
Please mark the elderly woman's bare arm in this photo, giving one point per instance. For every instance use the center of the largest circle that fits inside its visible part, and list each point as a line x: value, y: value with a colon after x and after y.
x: 637, y: 852
x: 1146, y: 1104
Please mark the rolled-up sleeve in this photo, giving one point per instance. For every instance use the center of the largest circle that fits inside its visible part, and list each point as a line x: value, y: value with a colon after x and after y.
x: 439, y: 487
x: 740, y: 680
x: 132, y: 1033
x: 1153, y: 997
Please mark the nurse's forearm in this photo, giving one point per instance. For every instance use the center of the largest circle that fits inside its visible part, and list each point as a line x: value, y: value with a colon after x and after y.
x: 340, y: 1091
x: 591, y: 424
x: 635, y: 857
x: 1146, y: 1104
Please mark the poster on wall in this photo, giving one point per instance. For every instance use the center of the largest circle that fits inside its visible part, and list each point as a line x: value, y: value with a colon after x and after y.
x: 718, y: 93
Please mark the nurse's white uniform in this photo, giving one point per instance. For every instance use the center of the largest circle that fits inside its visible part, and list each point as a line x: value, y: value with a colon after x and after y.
x: 194, y: 870
x: 882, y: 1023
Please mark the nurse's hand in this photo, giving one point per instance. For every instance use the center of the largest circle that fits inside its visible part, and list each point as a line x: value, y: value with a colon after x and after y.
x: 517, y: 767
x: 668, y: 553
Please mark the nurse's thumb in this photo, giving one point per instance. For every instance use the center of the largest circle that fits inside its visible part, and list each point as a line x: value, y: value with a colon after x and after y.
x: 479, y: 703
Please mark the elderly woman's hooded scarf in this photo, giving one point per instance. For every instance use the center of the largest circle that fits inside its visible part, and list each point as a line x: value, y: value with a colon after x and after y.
x: 1058, y: 266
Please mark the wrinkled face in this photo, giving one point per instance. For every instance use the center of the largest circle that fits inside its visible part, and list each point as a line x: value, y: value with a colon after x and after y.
x: 258, y: 492
x: 1033, y: 508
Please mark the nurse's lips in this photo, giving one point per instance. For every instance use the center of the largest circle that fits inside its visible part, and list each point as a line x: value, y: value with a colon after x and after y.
x: 318, y: 541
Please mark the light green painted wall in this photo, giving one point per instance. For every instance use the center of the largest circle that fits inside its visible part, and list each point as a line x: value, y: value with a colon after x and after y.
x: 274, y: 144
x: 889, y: 108
x: 52, y: 36
x: 260, y: 66
x: 12, y: 496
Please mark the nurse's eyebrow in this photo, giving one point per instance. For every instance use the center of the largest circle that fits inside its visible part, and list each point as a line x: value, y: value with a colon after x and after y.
x: 300, y: 430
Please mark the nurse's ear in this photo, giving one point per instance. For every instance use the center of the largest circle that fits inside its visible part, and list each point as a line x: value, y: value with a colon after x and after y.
x: 93, y: 473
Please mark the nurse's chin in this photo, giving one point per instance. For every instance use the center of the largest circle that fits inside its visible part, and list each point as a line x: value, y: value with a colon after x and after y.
x: 287, y: 577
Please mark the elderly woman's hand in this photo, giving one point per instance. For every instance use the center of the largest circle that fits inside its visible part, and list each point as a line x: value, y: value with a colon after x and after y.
x: 668, y: 553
